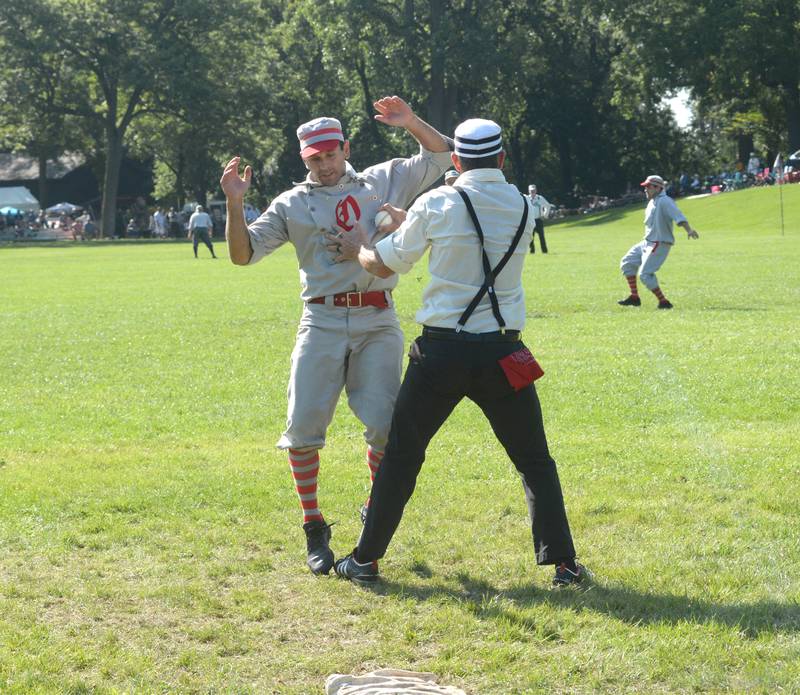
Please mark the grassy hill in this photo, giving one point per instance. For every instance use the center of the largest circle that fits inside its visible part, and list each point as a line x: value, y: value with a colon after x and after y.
x: 150, y: 536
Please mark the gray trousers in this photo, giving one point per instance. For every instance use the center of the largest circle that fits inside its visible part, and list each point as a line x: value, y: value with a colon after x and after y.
x: 645, y: 258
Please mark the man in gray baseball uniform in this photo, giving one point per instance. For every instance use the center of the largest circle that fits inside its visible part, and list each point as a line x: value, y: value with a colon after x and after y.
x: 649, y: 255
x: 349, y: 336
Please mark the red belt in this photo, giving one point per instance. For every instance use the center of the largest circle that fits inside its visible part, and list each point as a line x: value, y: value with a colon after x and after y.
x: 357, y: 299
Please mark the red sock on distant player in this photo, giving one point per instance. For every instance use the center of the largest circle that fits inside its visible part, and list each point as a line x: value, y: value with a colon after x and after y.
x: 632, y: 284
x: 305, y: 467
x: 374, y: 458
x: 659, y: 294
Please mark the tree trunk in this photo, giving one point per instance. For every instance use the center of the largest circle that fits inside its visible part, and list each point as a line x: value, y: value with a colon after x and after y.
x: 516, y: 156
x: 436, y: 91
x: 791, y: 100
x: 564, y: 154
x: 744, y: 146
x: 111, y: 181
x: 42, y: 181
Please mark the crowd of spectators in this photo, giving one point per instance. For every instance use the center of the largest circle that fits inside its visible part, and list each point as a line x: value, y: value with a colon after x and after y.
x: 739, y: 176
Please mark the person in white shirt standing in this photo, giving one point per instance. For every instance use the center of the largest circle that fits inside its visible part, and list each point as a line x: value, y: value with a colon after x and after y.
x: 649, y: 255
x: 541, y: 210
x: 200, y: 225
x: 472, y: 313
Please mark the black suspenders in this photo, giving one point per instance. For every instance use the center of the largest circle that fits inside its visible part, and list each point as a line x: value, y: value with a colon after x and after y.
x: 490, y: 273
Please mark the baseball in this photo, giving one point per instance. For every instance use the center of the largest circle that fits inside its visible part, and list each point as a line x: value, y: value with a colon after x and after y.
x: 382, y: 219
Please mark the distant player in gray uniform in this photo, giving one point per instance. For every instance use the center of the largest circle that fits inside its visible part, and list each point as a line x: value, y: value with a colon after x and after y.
x: 349, y: 336
x: 649, y: 255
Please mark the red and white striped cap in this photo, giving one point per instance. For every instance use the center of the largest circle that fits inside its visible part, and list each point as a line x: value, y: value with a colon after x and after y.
x: 319, y: 135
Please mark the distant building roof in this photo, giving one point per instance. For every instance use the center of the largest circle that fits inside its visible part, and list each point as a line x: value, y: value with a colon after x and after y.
x: 20, y: 167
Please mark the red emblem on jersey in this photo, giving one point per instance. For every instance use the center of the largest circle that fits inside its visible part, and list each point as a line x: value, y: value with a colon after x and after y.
x: 347, y: 213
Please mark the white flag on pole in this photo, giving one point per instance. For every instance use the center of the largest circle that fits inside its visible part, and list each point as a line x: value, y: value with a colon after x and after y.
x: 777, y: 167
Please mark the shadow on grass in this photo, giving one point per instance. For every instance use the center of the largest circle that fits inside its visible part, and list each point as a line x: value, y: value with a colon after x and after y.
x: 620, y: 603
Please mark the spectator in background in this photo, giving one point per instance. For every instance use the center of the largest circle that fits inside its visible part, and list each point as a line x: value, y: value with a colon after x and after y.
x: 753, y: 164
x: 175, y: 223
x: 199, y: 227
x: 77, y: 230
x: 160, y: 223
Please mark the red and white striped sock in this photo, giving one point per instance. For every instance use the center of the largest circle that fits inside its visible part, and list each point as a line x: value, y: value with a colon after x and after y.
x: 305, y: 467
x: 632, y: 284
x: 659, y: 294
x: 374, y: 458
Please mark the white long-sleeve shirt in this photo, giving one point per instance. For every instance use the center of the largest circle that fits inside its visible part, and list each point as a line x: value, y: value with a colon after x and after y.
x: 439, y: 220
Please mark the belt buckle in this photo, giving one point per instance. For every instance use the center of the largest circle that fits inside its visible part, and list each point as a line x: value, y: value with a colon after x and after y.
x: 350, y: 303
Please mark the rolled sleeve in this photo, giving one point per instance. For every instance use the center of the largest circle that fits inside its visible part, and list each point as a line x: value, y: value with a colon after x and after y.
x: 402, y: 249
x: 267, y: 233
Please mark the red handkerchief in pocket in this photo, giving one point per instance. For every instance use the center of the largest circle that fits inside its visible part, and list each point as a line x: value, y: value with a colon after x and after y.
x: 521, y: 368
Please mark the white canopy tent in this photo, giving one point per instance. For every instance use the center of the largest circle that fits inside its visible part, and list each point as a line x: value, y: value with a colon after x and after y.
x: 18, y: 197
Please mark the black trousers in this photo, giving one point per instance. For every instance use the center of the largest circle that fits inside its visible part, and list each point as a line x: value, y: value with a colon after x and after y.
x: 450, y: 369
x: 538, y: 229
x: 201, y: 234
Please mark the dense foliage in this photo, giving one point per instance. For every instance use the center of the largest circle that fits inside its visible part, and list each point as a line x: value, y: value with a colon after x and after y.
x: 578, y: 86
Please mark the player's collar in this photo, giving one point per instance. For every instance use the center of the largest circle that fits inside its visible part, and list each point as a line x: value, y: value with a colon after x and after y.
x: 350, y: 176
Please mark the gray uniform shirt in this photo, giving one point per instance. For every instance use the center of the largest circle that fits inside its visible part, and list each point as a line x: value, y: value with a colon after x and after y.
x: 659, y: 215
x: 303, y: 214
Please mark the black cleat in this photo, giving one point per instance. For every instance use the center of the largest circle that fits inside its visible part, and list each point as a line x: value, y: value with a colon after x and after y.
x: 630, y: 301
x: 365, y: 574
x: 566, y: 577
x: 665, y: 304
x: 318, y: 536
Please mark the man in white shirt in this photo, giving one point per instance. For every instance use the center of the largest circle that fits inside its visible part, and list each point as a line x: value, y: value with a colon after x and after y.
x: 649, y: 255
x: 541, y: 210
x: 199, y: 227
x: 472, y: 313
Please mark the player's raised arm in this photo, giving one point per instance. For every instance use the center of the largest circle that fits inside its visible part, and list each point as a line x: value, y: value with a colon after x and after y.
x: 393, y: 111
x: 234, y: 187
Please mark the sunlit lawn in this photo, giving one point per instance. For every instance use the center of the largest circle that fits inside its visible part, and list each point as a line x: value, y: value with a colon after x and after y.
x: 150, y: 536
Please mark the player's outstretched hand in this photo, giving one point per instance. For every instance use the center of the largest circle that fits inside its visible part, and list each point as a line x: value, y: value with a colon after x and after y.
x: 692, y: 234
x: 233, y: 185
x: 393, y: 111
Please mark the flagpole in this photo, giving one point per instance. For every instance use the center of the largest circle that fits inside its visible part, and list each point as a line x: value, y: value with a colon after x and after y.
x: 778, y: 168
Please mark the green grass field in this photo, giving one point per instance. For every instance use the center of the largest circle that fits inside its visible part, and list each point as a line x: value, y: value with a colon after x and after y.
x: 150, y: 536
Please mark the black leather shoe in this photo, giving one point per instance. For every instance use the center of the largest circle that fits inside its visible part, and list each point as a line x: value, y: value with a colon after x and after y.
x: 630, y: 301
x: 318, y: 536
x: 566, y: 577
x: 361, y: 573
x: 666, y: 304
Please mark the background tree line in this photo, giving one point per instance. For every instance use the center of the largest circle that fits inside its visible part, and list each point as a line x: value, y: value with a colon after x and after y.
x: 577, y: 85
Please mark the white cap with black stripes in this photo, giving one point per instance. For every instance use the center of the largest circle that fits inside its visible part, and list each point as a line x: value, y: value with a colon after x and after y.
x: 478, y: 137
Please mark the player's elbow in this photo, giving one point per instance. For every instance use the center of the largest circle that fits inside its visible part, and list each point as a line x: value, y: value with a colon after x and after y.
x: 240, y: 258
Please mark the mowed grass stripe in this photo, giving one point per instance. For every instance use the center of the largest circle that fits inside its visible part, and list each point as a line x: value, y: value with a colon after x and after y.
x: 150, y: 537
